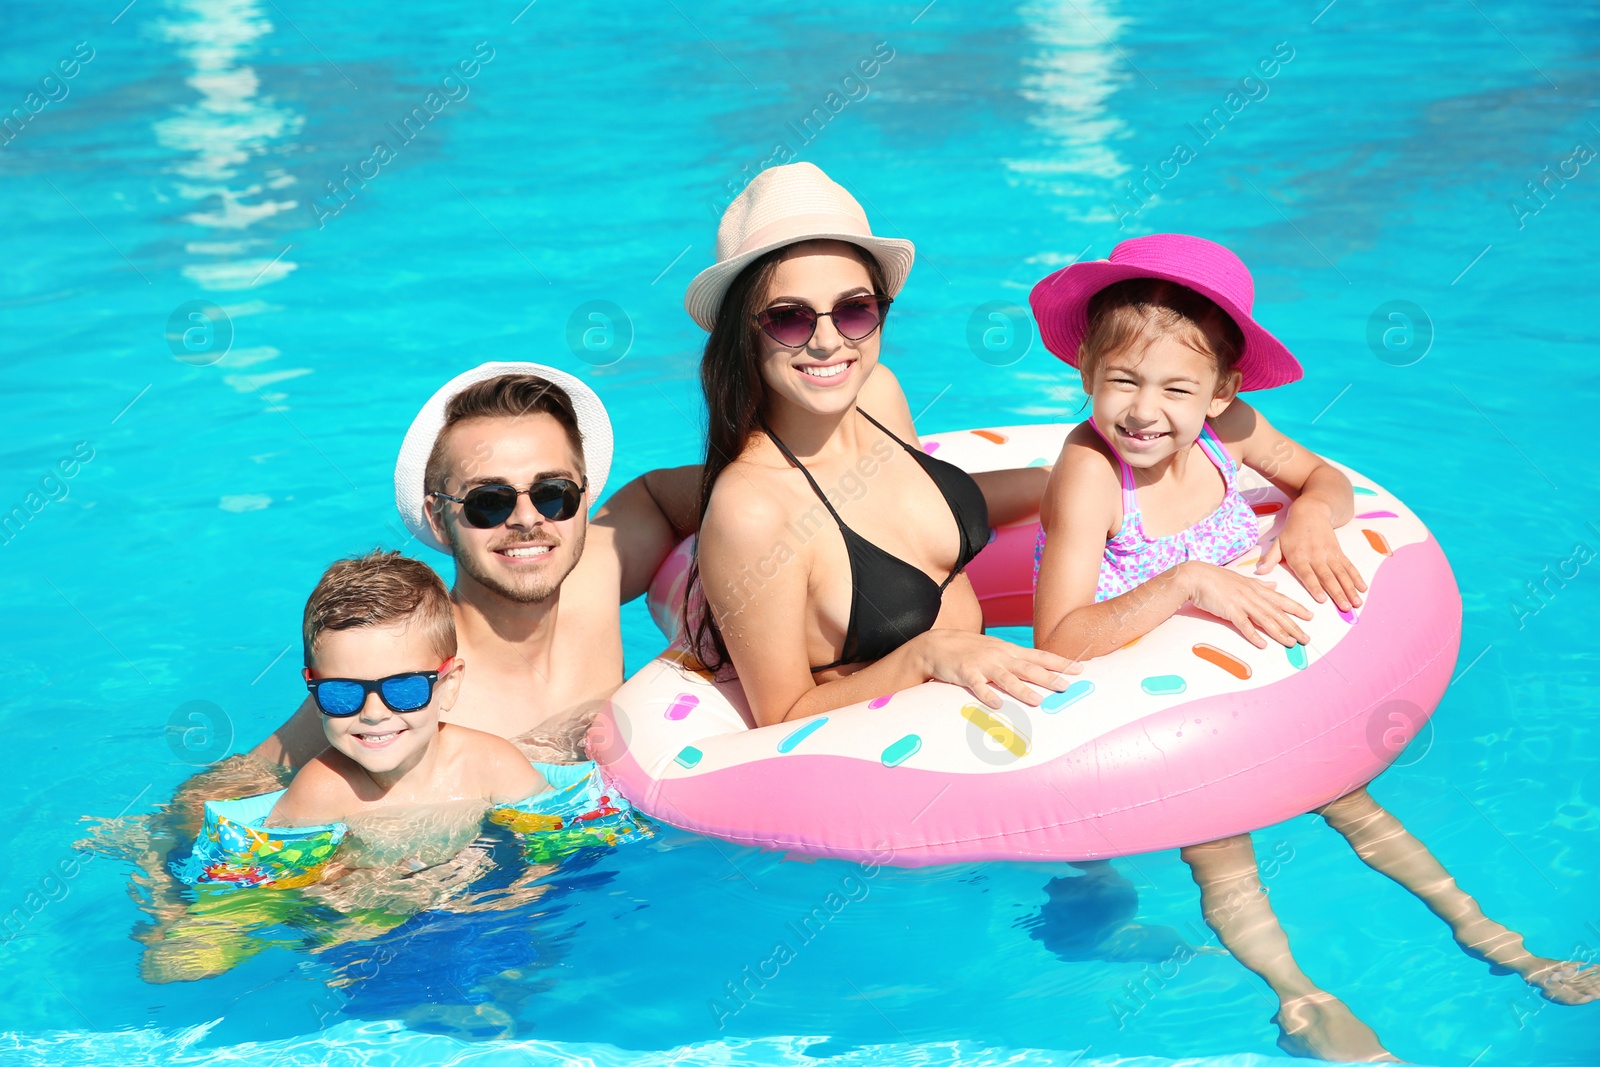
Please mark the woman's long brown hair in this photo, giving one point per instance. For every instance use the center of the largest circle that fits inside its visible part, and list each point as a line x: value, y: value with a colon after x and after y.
x: 735, y: 395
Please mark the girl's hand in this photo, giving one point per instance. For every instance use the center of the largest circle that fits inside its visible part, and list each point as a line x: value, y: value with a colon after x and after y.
x: 986, y: 664
x: 1252, y: 606
x: 1309, y: 548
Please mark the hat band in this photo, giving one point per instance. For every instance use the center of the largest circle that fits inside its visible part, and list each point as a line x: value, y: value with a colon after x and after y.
x: 797, y: 228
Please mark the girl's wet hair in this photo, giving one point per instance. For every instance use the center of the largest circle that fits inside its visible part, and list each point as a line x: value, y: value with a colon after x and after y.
x: 1133, y: 313
x: 735, y: 392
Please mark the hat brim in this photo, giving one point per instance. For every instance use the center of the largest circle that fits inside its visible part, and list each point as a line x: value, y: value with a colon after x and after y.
x: 410, y: 486
x: 705, y: 294
x: 1060, y: 305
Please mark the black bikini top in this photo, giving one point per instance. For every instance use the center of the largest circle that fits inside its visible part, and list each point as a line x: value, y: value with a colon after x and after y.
x: 890, y: 600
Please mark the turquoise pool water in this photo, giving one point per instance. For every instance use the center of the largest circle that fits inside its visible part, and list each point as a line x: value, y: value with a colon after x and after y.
x: 585, y: 159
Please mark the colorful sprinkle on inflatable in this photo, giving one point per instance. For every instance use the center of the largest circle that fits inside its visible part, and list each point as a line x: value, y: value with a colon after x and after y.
x: 682, y: 705
x: 877, y: 702
x: 687, y: 661
x: 990, y: 435
x: 1040, y: 462
x: 1377, y: 515
x: 1348, y: 616
x: 689, y: 757
x: 1003, y: 733
x: 930, y: 447
x: 1068, y: 696
x: 1164, y: 685
x: 1298, y: 658
x: 901, y: 750
x: 1270, y: 507
x: 1362, y: 490
x: 1228, y: 662
x: 1376, y: 540
x: 788, y: 743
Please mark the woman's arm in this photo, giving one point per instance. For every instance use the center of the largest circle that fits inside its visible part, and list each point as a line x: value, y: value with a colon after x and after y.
x: 1011, y: 495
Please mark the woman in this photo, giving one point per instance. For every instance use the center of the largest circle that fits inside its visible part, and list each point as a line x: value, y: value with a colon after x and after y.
x: 831, y: 547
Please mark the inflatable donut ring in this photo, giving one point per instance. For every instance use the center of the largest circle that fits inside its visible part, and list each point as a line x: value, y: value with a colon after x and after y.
x: 1186, y: 735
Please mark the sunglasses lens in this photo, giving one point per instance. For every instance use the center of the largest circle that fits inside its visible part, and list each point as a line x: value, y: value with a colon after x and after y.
x: 856, y: 319
x: 408, y: 692
x: 789, y: 326
x: 339, y: 697
x: 557, y: 500
x: 487, y: 506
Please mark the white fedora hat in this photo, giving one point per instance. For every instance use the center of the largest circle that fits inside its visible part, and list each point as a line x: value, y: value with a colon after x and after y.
x: 782, y: 206
x: 410, y: 487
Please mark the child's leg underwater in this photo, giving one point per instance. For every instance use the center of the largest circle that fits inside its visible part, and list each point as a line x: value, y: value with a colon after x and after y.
x: 1310, y: 1021
x: 1386, y: 846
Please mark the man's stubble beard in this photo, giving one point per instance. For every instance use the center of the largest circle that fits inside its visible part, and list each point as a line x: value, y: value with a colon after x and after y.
x: 528, y: 594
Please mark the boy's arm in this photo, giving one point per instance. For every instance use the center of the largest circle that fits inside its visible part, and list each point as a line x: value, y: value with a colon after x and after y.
x: 299, y: 739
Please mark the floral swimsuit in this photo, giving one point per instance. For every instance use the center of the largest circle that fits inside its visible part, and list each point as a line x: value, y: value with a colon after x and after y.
x: 1132, y: 558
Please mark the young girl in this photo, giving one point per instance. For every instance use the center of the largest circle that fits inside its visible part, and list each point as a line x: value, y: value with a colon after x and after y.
x: 1141, y: 516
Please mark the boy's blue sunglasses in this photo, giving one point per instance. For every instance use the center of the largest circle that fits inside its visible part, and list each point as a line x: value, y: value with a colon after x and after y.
x: 343, y: 697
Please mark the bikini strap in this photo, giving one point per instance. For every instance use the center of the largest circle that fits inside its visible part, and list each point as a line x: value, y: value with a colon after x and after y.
x: 1130, y: 493
x: 790, y: 456
x: 888, y: 431
x: 1212, y: 444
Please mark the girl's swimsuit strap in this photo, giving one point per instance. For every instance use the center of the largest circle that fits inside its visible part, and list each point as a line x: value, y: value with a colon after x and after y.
x: 1218, y: 452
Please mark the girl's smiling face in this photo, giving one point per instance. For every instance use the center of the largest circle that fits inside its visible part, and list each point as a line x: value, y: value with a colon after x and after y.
x: 1151, y: 399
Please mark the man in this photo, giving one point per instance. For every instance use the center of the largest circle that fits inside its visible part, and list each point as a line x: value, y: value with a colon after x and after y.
x: 539, y: 584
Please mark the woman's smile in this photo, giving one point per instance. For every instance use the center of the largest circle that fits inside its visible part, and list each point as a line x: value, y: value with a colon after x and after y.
x: 826, y: 374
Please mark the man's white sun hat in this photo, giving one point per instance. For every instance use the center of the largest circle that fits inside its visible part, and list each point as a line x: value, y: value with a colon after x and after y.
x: 410, y: 488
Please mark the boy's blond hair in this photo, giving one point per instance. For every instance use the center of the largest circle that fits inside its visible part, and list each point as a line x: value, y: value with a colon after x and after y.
x: 378, y: 589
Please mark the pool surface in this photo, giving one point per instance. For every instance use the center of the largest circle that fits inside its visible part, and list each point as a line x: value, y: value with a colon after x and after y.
x: 246, y: 238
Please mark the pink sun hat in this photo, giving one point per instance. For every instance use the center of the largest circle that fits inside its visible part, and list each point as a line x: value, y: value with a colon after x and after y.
x: 1061, y: 300
x: 784, y: 206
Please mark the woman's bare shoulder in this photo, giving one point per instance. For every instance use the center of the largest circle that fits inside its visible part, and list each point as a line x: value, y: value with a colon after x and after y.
x: 752, y: 498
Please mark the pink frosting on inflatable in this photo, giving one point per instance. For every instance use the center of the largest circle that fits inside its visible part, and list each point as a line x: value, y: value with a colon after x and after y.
x: 1195, y: 772
x: 1002, y: 576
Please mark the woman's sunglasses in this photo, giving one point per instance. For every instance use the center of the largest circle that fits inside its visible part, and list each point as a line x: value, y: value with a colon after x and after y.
x: 792, y: 325
x: 486, y: 506
x: 343, y: 697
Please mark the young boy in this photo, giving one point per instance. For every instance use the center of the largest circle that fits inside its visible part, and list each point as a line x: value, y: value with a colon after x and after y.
x: 381, y: 664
